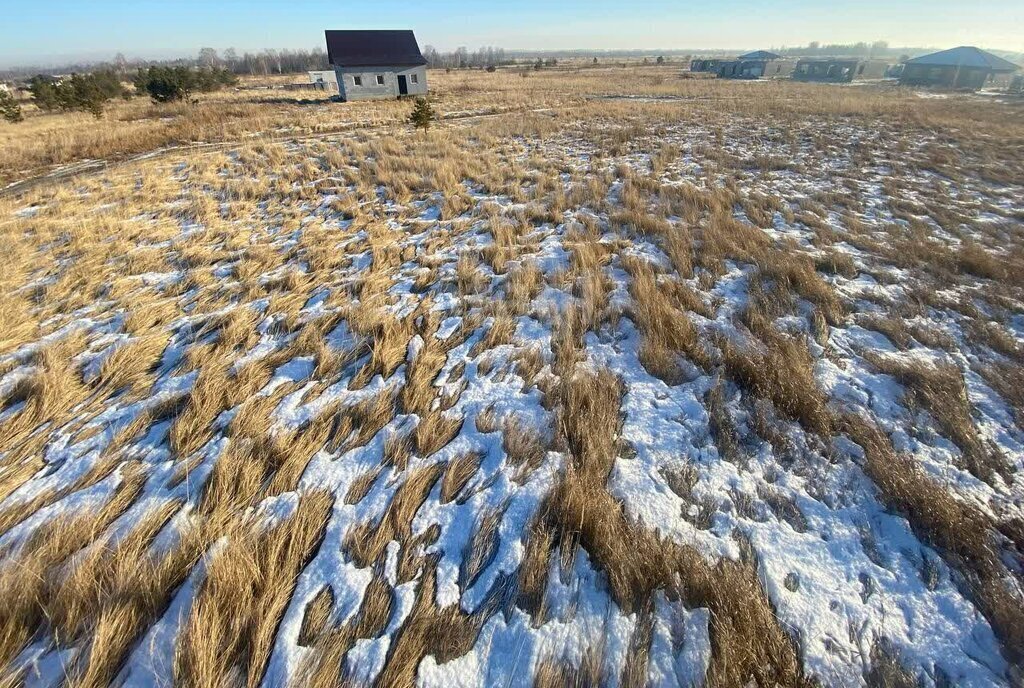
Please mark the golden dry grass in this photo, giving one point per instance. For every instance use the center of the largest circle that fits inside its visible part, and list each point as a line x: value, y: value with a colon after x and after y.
x: 246, y: 340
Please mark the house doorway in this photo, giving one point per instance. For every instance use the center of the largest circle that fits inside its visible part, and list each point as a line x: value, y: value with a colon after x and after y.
x: 403, y: 85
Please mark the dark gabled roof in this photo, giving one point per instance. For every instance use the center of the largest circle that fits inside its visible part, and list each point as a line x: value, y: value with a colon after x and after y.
x: 373, y: 48
x: 965, y: 56
x: 760, y: 55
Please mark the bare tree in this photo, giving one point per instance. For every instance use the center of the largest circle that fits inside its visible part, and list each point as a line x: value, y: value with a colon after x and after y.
x: 208, y: 57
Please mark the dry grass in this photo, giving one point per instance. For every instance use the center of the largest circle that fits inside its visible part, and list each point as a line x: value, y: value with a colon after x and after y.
x: 942, y: 392
x: 963, y: 535
x: 668, y: 331
x: 781, y: 371
x: 32, y: 585
x: 457, y: 475
x: 366, y: 541
x: 1008, y: 380
x: 230, y: 631
x: 747, y: 641
x: 248, y: 321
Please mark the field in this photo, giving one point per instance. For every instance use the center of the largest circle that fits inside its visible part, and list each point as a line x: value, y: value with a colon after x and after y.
x: 609, y: 378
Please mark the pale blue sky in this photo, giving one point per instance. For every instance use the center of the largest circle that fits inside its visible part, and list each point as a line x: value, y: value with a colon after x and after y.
x: 46, y: 31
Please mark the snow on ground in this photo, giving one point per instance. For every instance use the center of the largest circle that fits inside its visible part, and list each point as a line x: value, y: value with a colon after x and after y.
x: 841, y: 571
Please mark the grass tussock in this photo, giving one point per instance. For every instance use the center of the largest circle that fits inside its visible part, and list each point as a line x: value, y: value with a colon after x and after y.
x: 780, y: 370
x: 230, y: 631
x: 366, y: 542
x: 941, y: 390
x: 667, y: 331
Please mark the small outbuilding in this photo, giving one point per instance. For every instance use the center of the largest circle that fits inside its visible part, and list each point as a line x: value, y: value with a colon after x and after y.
x: 374, y: 64
x: 705, y: 64
x: 838, y: 70
x: 322, y: 79
x: 965, y: 68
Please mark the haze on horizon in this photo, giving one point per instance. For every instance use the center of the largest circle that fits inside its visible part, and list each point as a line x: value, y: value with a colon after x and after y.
x: 57, y: 31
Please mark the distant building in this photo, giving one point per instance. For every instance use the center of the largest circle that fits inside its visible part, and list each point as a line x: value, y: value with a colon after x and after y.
x: 839, y: 69
x: 376, y: 64
x: 705, y: 65
x: 756, y: 68
x: 964, y: 68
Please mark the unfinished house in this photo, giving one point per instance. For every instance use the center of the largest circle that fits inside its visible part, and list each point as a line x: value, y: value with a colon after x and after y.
x: 705, y: 65
x: 376, y: 64
x: 964, y: 69
x: 759, y: 64
x: 838, y: 70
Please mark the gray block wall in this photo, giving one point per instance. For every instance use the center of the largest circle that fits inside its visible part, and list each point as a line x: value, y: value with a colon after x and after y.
x: 370, y: 89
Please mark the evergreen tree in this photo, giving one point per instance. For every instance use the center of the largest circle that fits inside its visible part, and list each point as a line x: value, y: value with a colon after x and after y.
x: 422, y: 114
x: 169, y: 84
x: 44, y: 92
x: 9, y: 108
x: 82, y: 92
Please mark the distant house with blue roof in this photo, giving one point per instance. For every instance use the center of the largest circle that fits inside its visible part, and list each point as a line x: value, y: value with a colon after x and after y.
x: 965, y: 68
x: 760, y: 55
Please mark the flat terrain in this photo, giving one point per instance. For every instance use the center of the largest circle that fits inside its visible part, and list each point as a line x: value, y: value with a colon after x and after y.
x: 610, y: 378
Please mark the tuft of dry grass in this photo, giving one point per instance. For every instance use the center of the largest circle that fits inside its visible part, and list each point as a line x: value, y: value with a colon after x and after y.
x: 941, y: 390
x: 525, y: 447
x: 667, y: 330
x: 435, y: 430
x: 229, y: 633
x: 457, y: 475
x: 366, y: 542
x: 780, y: 369
x: 443, y: 632
x: 317, y: 616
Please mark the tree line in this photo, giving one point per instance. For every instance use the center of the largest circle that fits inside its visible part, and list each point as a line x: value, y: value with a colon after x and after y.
x: 259, y: 63
x: 861, y: 49
x: 460, y: 58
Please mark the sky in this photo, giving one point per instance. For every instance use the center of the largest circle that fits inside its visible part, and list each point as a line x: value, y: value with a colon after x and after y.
x: 42, y: 32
